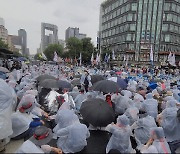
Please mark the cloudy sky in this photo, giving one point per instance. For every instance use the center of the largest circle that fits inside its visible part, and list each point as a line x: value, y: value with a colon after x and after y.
x: 28, y: 14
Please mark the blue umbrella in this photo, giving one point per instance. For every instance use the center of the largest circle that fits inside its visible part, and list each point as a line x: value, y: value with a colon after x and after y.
x: 21, y: 59
x: 122, y: 83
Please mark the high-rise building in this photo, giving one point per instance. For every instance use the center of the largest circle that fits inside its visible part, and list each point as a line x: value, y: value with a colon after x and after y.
x: 2, y: 22
x: 74, y: 32
x: 132, y: 28
x: 23, y: 40
x: 48, y: 39
x: 3, y: 34
x: 62, y: 42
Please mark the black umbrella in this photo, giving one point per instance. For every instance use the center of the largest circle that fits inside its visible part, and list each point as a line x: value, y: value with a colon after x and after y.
x: 106, y: 86
x: 49, y: 83
x: 96, y: 78
x: 76, y: 82
x: 45, y: 76
x: 64, y: 84
x: 77, y: 76
x: 97, y: 112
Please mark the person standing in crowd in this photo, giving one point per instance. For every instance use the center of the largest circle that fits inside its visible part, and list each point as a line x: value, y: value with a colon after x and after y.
x: 86, y: 80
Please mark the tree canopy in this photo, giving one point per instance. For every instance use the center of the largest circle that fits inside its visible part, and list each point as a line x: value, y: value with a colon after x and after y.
x: 76, y: 46
x: 49, y: 51
x: 3, y: 45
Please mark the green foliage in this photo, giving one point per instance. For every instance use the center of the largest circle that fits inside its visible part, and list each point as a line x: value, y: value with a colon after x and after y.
x: 17, y: 53
x: 74, y: 47
x: 49, y: 51
x: 38, y: 56
x: 3, y: 45
x: 88, y: 49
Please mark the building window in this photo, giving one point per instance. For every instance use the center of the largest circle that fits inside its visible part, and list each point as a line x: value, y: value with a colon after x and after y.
x: 134, y: 6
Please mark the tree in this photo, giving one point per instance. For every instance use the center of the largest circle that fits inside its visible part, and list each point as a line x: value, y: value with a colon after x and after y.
x: 3, y: 44
x: 49, y: 51
x: 88, y: 49
x: 74, y: 47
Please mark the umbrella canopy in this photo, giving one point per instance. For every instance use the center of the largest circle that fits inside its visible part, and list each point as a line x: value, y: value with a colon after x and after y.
x: 76, y: 82
x: 77, y: 76
x: 106, y: 86
x: 45, y: 76
x: 64, y: 84
x: 96, y: 78
x: 97, y: 112
x: 22, y: 59
x: 153, y: 85
x: 49, y: 83
x: 121, y: 82
x: 4, y: 70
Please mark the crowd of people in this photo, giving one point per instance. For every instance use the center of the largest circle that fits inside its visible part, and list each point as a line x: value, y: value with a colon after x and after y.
x: 43, y: 105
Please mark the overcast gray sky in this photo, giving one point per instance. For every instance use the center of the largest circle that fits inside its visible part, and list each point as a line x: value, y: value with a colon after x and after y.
x: 28, y: 14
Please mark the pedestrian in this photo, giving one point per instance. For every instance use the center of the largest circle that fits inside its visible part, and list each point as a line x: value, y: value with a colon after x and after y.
x: 86, y: 80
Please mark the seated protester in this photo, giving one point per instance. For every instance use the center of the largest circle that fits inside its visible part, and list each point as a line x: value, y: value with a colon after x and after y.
x: 109, y: 101
x: 157, y: 142
x: 79, y: 99
x: 170, y: 123
x: 38, y: 142
x: 72, y: 138
x: 142, y: 130
x: 120, y: 139
x: 150, y: 105
x: 132, y: 112
x: 64, y: 118
x: 121, y: 104
x: 22, y: 119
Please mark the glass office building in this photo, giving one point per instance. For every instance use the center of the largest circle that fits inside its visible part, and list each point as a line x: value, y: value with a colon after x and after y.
x: 134, y: 27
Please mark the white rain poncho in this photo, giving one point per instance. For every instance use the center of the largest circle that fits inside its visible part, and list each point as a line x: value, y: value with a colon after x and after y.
x: 121, y: 104
x: 150, y: 106
x: 120, y: 139
x: 126, y: 93
x: 65, y: 118
x: 138, y: 99
x: 79, y: 99
x: 26, y: 98
x: 159, y: 140
x: 73, y: 138
x: 29, y: 147
x: 132, y: 114
x: 170, y: 124
x: 142, y: 129
x: 6, y: 105
x: 20, y: 123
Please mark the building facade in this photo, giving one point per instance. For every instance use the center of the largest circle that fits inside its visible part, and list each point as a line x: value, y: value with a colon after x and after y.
x: 48, y: 39
x: 74, y: 32
x: 132, y: 28
x: 23, y: 41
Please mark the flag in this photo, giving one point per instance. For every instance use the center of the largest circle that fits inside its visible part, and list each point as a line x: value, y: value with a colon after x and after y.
x: 124, y: 57
x: 55, y: 57
x: 43, y: 56
x: 97, y: 58
x: 173, y: 60
x: 169, y: 57
x: 80, y: 59
x: 127, y: 59
x: 113, y: 56
x: 105, y: 58
x: 92, y: 58
x: 151, y: 55
x: 108, y: 58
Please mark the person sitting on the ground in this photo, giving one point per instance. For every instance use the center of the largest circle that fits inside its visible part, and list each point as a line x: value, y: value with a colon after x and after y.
x: 142, y: 129
x: 170, y: 123
x: 38, y: 142
x: 72, y: 138
x: 120, y: 139
x: 157, y: 142
x: 150, y: 105
x: 22, y: 119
